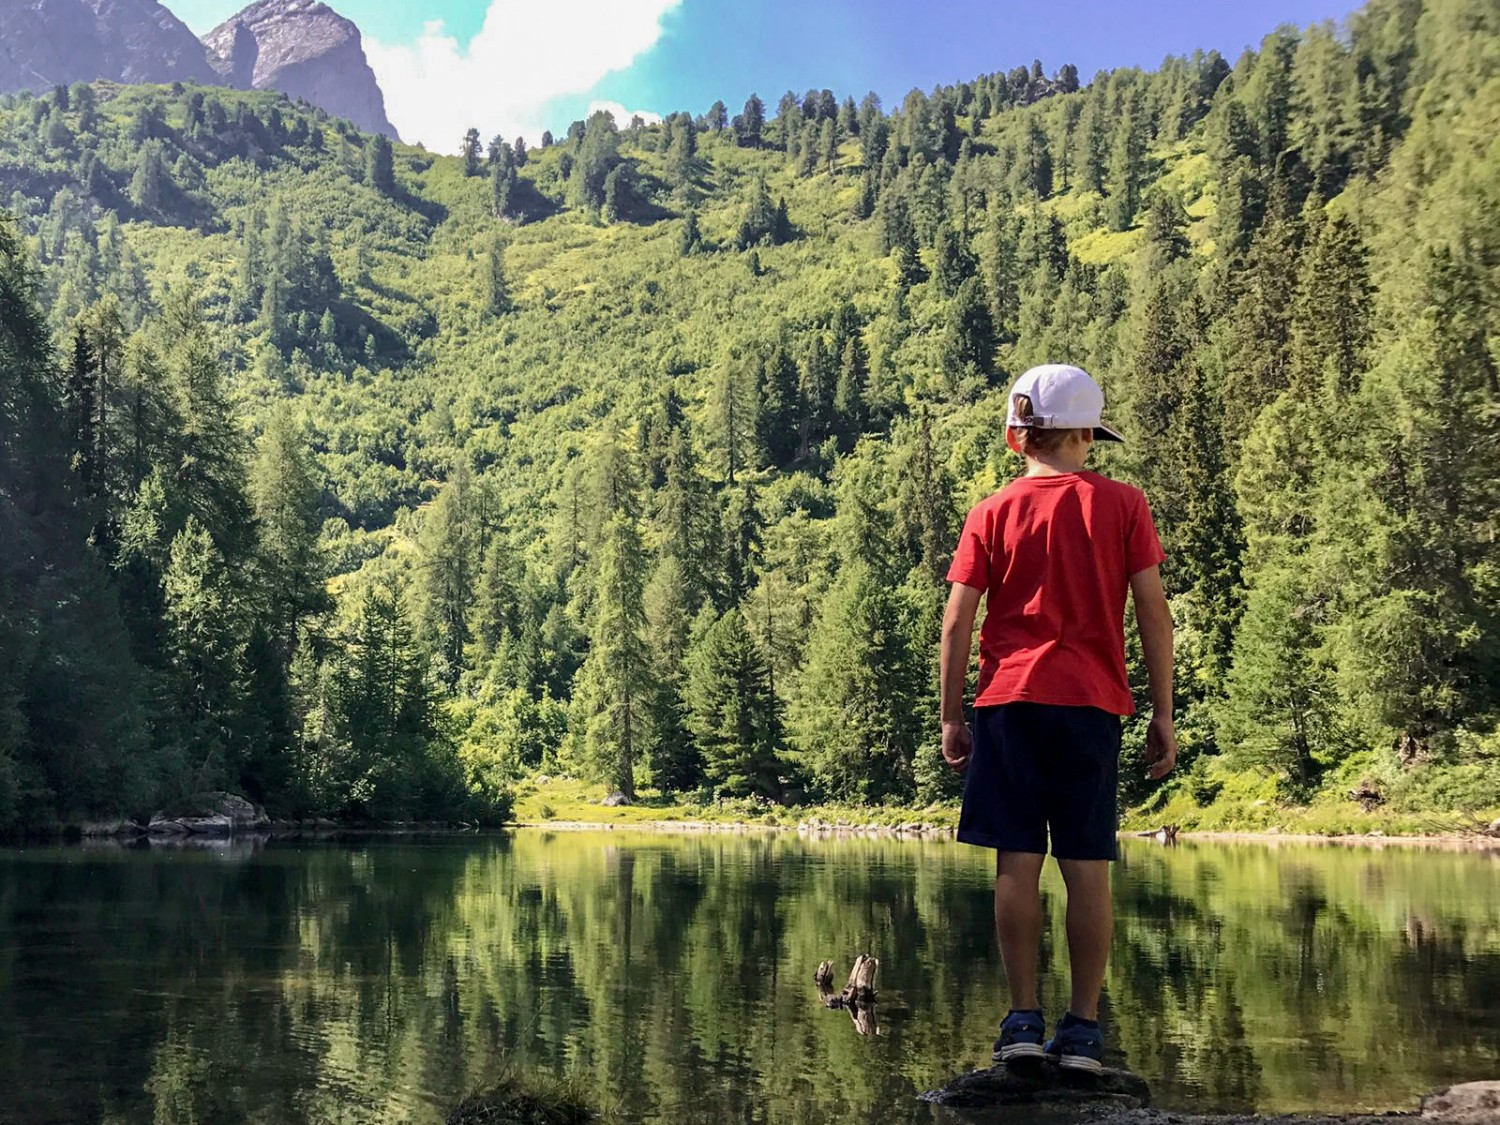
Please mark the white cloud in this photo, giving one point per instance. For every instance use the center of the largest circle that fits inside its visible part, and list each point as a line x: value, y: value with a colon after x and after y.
x: 525, y: 55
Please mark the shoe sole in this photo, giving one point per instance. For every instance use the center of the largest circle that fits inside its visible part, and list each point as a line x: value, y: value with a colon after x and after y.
x: 1016, y: 1052
x: 1080, y: 1063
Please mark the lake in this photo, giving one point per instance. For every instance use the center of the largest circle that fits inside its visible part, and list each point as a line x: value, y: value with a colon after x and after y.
x: 673, y: 975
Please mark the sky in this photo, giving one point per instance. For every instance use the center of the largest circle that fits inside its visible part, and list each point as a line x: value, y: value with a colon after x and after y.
x: 516, y: 67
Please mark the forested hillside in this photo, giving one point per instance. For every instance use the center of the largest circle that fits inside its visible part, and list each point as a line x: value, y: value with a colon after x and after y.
x: 367, y: 481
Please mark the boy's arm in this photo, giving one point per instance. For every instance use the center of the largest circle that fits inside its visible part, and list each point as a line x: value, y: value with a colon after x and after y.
x: 1154, y: 620
x: 953, y: 670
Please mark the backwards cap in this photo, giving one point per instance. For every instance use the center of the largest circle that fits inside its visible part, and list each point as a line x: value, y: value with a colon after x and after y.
x: 1063, y: 397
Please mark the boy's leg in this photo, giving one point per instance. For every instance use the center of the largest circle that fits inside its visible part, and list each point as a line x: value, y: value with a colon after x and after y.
x: 1090, y: 928
x: 1018, y: 923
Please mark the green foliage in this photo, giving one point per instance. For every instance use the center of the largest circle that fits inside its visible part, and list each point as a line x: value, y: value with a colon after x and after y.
x: 1282, y: 274
x: 732, y: 711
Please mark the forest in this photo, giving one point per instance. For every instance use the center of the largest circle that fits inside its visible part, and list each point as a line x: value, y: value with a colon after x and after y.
x: 369, y: 482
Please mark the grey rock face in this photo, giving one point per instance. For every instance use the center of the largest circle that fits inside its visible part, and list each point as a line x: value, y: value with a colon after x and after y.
x: 46, y: 42
x: 306, y: 50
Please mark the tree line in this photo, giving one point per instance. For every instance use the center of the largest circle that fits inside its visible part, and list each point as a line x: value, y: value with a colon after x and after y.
x: 678, y: 516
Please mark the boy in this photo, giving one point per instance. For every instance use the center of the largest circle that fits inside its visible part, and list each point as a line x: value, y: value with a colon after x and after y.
x: 1054, y: 553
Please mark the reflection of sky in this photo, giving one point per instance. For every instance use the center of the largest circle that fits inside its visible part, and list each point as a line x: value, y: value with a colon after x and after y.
x: 700, y: 50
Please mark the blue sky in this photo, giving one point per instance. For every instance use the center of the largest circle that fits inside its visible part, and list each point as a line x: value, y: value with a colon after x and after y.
x: 517, y: 66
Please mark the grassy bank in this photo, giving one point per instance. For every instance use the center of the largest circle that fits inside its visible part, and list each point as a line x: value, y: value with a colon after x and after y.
x: 564, y: 800
x: 1248, y: 805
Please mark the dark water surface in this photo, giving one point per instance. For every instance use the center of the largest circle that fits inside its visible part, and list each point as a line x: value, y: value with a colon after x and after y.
x: 672, y: 975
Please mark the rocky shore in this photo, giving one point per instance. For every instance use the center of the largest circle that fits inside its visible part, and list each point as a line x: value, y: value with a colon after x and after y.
x: 1046, y: 1095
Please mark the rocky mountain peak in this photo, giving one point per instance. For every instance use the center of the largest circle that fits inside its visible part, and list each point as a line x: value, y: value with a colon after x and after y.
x: 47, y: 42
x: 305, y: 49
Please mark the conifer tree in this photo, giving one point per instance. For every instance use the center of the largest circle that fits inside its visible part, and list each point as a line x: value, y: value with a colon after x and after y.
x: 449, y: 546
x: 471, y: 152
x: 205, y: 642
x: 752, y: 122
x: 284, y: 488
x: 692, y: 238
x: 732, y: 712
x: 853, y: 719
x: 1125, y: 173
x: 611, y: 701
x: 672, y: 755
x: 380, y: 165
x: 497, y: 287
x: 736, y: 409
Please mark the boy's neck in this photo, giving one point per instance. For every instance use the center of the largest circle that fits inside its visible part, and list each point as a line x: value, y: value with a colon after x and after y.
x: 1057, y: 463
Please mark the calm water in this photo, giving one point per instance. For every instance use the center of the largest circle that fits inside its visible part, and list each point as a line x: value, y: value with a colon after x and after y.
x: 673, y: 975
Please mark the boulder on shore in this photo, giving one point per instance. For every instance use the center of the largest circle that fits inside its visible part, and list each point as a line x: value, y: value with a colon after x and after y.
x: 1473, y: 1103
x: 615, y: 800
x: 1044, y: 1093
x: 216, y: 814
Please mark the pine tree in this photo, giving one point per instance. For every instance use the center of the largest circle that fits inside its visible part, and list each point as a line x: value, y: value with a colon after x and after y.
x: 284, y: 487
x: 735, y: 408
x: 471, y: 152
x: 671, y: 754
x: 752, y: 123
x: 1331, y: 319
x: 853, y: 718
x: 151, y: 183
x: 969, y: 339
x: 497, y: 287
x: 828, y: 146
x: 955, y: 264
x: 205, y: 643
x: 503, y: 179
x: 380, y: 165
x: 619, y: 194
x: 384, y: 714
x: 732, y: 712
x: 692, y: 238
x: 611, y: 700
x: 449, y: 549
x: 759, y: 224
x: 1126, y: 170
x: 497, y: 602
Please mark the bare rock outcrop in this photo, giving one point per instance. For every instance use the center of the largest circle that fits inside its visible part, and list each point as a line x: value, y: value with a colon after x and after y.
x: 306, y: 50
x: 45, y: 43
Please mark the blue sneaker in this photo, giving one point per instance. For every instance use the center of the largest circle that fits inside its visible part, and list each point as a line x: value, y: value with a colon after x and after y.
x: 1020, y: 1037
x: 1076, y: 1045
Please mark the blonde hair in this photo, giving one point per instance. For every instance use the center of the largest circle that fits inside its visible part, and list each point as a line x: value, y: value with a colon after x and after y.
x: 1035, y: 439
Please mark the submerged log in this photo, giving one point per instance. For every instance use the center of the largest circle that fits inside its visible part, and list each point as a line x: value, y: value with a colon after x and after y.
x: 858, y: 996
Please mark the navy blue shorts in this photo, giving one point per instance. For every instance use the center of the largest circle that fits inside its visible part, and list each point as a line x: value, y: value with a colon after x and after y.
x: 1036, y: 766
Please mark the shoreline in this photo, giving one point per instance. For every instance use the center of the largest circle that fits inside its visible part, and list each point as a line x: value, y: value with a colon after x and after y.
x: 821, y: 831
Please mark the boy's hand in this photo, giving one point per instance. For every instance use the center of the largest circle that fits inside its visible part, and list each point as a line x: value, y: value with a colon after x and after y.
x: 956, y: 744
x: 1161, y: 747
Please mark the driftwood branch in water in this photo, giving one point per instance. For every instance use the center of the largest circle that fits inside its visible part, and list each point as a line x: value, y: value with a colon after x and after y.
x: 1166, y: 834
x: 858, y: 996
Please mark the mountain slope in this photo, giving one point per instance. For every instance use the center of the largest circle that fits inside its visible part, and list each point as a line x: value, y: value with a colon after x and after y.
x: 613, y: 387
x: 306, y: 50
x: 47, y: 42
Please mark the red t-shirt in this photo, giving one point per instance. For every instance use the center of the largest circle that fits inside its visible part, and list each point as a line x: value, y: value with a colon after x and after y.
x: 1055, y: 555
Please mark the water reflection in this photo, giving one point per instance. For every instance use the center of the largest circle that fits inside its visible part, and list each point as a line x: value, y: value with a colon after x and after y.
x: 377, y: 983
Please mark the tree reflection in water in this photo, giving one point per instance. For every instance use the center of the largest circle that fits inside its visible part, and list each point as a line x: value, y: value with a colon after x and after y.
x: 380, y: 982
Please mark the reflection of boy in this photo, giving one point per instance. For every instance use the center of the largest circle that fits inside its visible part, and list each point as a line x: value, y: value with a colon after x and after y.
x: 1054, y: 553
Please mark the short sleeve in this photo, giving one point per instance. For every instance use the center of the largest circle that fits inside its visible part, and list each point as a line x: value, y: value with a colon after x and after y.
x: 1142, y: 545
x: 971, y: 560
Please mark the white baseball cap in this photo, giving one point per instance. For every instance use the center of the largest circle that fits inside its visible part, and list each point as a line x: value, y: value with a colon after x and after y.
x: 1063, y: 397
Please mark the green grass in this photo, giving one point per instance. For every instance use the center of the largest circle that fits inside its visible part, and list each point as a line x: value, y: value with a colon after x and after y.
x: 566, y: 800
